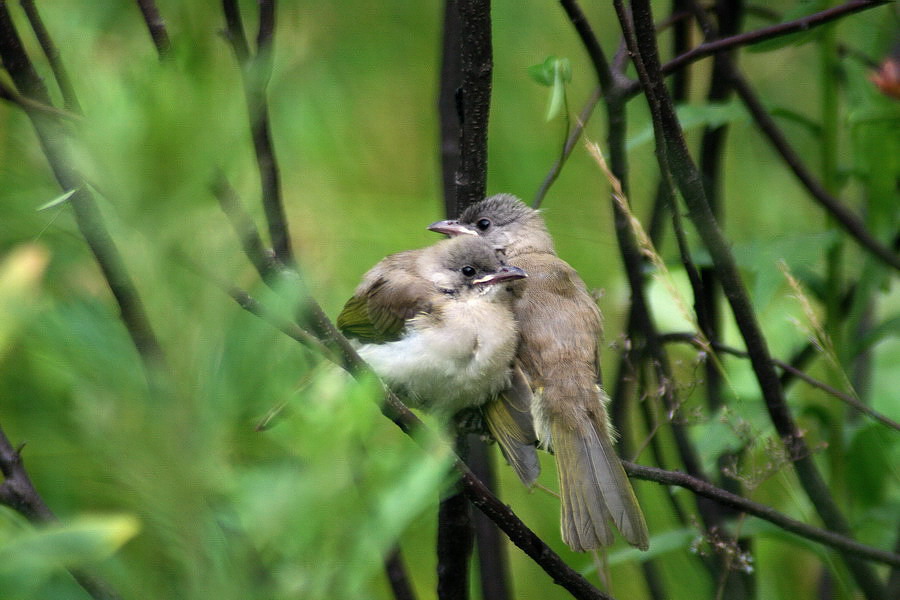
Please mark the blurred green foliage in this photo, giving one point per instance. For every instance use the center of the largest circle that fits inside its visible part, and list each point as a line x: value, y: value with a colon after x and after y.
x: 177, y: 495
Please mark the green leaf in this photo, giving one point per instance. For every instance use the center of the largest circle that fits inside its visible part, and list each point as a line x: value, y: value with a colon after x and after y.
x: 58, y: 200
x: 29, y: 559
x: 554, y: 73
x: 543, y: 73
x: 562, y: 74
x: 800, y: 10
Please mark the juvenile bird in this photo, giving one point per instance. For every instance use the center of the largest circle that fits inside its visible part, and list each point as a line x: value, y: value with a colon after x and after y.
x: 560, y: 327
x: 436, y: 325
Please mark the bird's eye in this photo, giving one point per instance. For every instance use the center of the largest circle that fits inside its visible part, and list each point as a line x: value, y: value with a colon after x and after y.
x: 483, y: 224
x: 468, y: 271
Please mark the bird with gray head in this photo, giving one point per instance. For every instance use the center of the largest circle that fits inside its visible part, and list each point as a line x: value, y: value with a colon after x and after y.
x: 436, y: 325
x: 560, y: 330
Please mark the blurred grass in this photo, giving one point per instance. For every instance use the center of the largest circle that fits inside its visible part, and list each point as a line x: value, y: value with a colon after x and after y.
x: 306, y: 508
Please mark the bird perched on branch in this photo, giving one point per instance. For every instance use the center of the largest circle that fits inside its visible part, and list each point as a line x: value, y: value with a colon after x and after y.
x: 560, y: 328
x: 436, y: 325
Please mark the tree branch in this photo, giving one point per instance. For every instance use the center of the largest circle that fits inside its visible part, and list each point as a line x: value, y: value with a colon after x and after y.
x: 828, y: 538
x: 842, y: 215
x: 18, y: 492
x: 643, y: 44
x: 401, y: 586
x: 455, y: 536
x: 476, y: 64
x: 806, y: 23
x: 156, y: 26
x: 449, y: 110
x: 52, y: 53
x: 256, y: 70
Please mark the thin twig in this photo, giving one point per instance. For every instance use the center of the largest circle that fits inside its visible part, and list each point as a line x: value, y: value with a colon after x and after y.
x: 256, y: 70
x: 842, y: 215
x: 571, y: 141
x: 748, y: 38
x: 52, y: 53
x: 707, y: 490
x: 27, y: 104
x: 848, y: 399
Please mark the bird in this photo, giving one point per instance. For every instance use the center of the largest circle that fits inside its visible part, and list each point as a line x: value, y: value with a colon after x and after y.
x: 436, y: 325
x: 560, y: 327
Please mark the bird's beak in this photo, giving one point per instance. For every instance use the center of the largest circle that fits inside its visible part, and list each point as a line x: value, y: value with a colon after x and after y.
x: 452, y: 228
x: 504, y: 273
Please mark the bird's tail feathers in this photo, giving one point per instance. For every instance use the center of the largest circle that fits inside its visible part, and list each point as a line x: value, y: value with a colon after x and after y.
x: 593, y: 486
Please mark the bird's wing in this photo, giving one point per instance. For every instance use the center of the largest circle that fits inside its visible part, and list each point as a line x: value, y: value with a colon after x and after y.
x: 382, y: 305
x: 508, y: 418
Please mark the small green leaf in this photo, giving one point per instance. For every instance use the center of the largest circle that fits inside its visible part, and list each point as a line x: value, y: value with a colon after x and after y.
x: 554, y: 73
x: 58, y: 200
x: 562, y: 74
x: 28, y: 559
x: 543, y: 73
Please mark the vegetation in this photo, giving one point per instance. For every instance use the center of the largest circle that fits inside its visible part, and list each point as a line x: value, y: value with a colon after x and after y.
x: 190, y: 191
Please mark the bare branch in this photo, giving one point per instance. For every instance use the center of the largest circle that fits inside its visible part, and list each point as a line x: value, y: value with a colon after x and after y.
x: 255, y: 73
x: 455, y: 536
x: 52, y: 53
x: 18, y: 492
x: 476, y: 64
x: 748, y: 38
x: 848, y: 399
x: 156, y: 26
x: 707, y: 490
x: 401, y: 586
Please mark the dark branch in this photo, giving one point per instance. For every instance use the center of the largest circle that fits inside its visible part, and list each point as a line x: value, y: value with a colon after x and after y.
x: 707, y: 490
x: 255, y: 73
x: 18, y: 492
x: 156, y: 26
x: 455, y: 537
x: 401, y: 586
x: 476, y: 64
x: 52, y: 53
x: 493, y: 570
x: 448, y: 105
x: 806, y: 23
